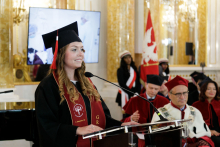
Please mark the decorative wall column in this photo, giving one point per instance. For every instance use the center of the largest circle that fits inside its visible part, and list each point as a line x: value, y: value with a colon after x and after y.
x: 182, y: 37
x: 202, y: 30
x: 120, y: 33
x: 61, y: 4
x: 6, y: 26
x: 71, y: 4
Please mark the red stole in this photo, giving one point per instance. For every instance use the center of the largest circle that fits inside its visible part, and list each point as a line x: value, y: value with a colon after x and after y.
x: 79, y: 114
x: 205, y: 109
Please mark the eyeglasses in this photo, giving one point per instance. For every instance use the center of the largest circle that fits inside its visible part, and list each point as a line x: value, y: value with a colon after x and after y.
x: 179, y: 94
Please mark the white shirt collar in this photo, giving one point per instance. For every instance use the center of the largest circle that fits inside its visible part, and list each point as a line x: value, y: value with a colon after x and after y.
x: 148, y: 97
x: 182, y: 108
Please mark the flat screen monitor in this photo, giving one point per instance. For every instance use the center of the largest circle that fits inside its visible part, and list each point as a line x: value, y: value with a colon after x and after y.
x: 45, y: 20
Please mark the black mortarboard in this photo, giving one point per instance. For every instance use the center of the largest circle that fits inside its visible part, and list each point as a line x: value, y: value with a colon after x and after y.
x: 207, y: 79
x: 60, y: 38
x: 194, y: 73
x: 199, y: 76
x: 66, y: 35
x: 155, y: 79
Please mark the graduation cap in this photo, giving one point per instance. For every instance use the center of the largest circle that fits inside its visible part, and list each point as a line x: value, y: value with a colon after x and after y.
x: 199, y: 76
x: 66, y: 35
x: 175, y: 82
x: 207, y: 79
x: 194, y: 73
x: 155, y: 79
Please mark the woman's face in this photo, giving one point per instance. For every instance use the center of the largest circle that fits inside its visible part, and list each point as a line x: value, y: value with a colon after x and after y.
x: 164, y: 66
x: 211, y: 90
x: 127, y: 59
x: 74, y: 55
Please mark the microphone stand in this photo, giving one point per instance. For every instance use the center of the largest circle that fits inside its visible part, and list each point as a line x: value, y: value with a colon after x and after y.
x: 155, y: 109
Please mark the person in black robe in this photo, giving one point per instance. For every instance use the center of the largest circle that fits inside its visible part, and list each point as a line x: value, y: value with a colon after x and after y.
x: 192, y: 85
x: 194, y: 93
x: 123, y: 74
x: 164, y: 69
x: 64, y: 87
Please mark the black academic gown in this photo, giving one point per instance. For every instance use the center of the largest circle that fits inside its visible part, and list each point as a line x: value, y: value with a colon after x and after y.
x: 122, y: 76
x: 193, y: 97
x: 193, y: 93
x: 54, y: 120
x: 191, y: 87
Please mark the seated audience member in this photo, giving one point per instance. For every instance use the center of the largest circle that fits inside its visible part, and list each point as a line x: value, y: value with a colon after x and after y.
x: 192, y: 85
x: 163, y: 89
x: 209, y: 106
x: 128, y: 78
x: 194, y: 95
x: 199, y: 133
x: 164, y: 67
x: 140, y: 110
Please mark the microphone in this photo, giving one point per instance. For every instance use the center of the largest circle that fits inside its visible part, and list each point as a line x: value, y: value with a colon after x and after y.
x: 8, y: 91
x: 89, y: 75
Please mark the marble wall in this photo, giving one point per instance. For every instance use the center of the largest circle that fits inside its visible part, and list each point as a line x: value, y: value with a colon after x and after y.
x: 6, y: 22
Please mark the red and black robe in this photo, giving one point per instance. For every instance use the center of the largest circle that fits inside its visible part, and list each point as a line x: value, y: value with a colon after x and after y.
x: 145, y: 110
x: 54, y: 122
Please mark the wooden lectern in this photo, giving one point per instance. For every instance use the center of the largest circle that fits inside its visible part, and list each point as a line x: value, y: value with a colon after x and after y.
x: 159, y: 134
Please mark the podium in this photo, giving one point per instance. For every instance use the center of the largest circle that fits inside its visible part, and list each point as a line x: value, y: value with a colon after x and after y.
x: 158, y: 134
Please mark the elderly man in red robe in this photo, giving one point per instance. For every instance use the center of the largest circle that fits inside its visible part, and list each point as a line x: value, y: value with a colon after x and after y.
x: 140, y: 110
x: 177, y: 109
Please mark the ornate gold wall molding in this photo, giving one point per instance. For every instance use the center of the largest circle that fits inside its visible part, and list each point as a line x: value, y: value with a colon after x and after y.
x: 71, y: 4
x: 61, y: 4
x: 6, y: 29
x: 120, y: 33
x: 182, y: 38
x: 202, y: 31
x: 181, y: 32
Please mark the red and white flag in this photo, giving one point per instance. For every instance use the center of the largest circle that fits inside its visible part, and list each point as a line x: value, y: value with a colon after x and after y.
x: 149, y: 63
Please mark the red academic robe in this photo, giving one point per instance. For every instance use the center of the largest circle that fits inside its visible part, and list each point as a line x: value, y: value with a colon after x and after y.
x: 136, y: 103
x: 205, y: 109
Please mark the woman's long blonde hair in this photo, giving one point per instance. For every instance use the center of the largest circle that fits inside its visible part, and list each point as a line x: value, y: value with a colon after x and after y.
x: 85, y: 84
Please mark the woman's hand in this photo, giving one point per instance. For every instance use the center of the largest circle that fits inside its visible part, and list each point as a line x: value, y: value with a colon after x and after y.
x: 215, y: 133
x: 135, y: 116
x: 87, y: 129
x: 129, y: 123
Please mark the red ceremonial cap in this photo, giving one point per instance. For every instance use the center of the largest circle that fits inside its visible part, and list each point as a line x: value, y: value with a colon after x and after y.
x: 175, y: 82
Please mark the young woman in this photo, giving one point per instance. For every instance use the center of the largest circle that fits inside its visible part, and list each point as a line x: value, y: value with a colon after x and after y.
x: 208, y: 105
x: 128, y: 78
x: 164, y: 67
x: 67, y: 103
